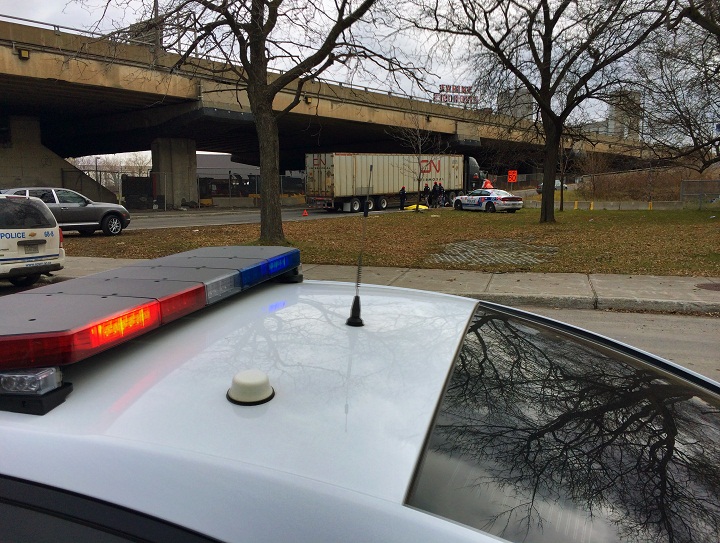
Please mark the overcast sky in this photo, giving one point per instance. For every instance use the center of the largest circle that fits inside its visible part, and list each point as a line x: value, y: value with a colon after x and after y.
x: 55, y: 12
x: 71, y: 15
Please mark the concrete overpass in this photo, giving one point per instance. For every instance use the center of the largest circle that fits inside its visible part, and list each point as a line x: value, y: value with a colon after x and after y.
x: 66, y: 94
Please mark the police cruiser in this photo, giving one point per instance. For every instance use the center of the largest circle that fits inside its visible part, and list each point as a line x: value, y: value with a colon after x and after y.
x: 215, y: 396
x: 31, y: 243
x: 489, y: 200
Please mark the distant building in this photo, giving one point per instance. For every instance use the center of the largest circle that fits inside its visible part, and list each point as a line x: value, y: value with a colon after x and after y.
x: 598, y: 127
x: 218, y: 176
x: 517, y: 103
x: 623, y: 119
x: 625, y: 115
x: 219, y: 165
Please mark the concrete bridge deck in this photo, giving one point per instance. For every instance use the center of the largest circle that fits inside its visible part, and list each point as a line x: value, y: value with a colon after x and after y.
x: 95, y: 95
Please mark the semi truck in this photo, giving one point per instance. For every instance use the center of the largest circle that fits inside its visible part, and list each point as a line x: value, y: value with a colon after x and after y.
x: 345, y: 181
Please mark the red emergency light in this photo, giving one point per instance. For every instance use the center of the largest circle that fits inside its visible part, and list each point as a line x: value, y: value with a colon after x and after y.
x: 61, y: 348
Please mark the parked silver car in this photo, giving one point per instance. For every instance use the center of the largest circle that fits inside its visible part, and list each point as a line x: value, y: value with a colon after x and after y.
x: 73, y: 211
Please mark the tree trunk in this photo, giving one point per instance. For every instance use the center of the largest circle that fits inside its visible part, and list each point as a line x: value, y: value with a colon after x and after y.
x: 271, y: 229
x: 550, y: 160
x: 419, y: 183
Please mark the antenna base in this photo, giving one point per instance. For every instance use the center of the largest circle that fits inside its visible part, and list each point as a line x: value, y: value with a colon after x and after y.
x: 354, y: 318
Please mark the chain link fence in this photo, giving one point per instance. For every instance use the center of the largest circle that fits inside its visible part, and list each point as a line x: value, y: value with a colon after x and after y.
x: 703, y: 193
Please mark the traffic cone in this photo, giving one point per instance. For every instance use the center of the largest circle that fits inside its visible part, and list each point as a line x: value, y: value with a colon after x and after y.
x: 305, y: 213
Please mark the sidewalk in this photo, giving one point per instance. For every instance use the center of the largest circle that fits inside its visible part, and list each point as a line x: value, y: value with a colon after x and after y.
x: 692, y: 295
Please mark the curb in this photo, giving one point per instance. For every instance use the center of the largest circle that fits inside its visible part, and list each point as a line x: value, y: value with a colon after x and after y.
x: 677, y: 295
x: 601, y: 304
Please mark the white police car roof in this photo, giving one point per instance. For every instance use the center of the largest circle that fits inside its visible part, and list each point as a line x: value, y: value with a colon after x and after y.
x: 148, y: 425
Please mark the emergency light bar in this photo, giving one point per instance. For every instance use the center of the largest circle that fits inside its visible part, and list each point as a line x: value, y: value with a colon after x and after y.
x: 67, y: 322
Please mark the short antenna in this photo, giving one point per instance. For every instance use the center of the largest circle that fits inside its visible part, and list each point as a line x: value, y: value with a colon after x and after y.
x: 354, y: 318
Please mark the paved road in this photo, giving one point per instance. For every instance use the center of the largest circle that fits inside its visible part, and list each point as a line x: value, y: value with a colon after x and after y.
x: 146, y: 220
x: 687, y: 340
x: 149, y: 219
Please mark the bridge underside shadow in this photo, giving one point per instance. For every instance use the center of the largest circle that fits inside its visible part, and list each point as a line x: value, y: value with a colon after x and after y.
x: 231, y: 132
x: 78, y: 121
x: 81, y: 119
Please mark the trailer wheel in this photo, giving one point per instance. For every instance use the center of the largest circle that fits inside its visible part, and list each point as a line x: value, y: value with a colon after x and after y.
x: 381, y: 203
x: 452, y: 195
x: 355, y: 205
x: 370, y: 204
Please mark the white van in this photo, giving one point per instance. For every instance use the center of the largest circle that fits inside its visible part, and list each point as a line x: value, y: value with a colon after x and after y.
x: 31, y: 243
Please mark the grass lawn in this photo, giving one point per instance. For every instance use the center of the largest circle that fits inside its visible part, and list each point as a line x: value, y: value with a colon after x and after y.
x: 627, y: 242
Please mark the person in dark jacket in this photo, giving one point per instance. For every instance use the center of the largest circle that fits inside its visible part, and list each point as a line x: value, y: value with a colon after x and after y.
x: 426, y: 195
x: 402, y: 198
x: 434, y: 193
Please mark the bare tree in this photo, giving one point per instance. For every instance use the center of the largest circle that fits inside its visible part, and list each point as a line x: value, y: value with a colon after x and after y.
x: 591, y: 164
x: 136, y: 164
x: 267, y: 46
x: 704, y: 13
x: 681, y: 99
x: 423, y: 144
x: 679, y: 78
x: 563, y: 53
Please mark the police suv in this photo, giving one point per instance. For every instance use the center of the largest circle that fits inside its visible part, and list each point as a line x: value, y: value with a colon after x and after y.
x: 31, y: 243
x: 215, y: 396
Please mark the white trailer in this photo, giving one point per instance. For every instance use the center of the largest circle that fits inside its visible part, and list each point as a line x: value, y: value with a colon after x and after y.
x: 343, y: 181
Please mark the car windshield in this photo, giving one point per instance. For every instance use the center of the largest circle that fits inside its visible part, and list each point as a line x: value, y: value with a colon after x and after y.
x: 19, y: 213
x: 546, y: 436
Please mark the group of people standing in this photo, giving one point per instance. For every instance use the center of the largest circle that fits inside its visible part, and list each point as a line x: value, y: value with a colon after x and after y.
x: 434, y: 197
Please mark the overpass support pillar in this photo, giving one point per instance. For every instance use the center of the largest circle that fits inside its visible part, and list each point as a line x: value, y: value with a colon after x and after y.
x: 174, y: 170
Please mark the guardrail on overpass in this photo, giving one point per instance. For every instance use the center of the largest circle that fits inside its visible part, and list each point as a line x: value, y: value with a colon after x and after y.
x: 142, y: 77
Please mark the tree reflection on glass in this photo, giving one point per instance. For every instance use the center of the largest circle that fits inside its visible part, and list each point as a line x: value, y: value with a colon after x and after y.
x: 556, y: 424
